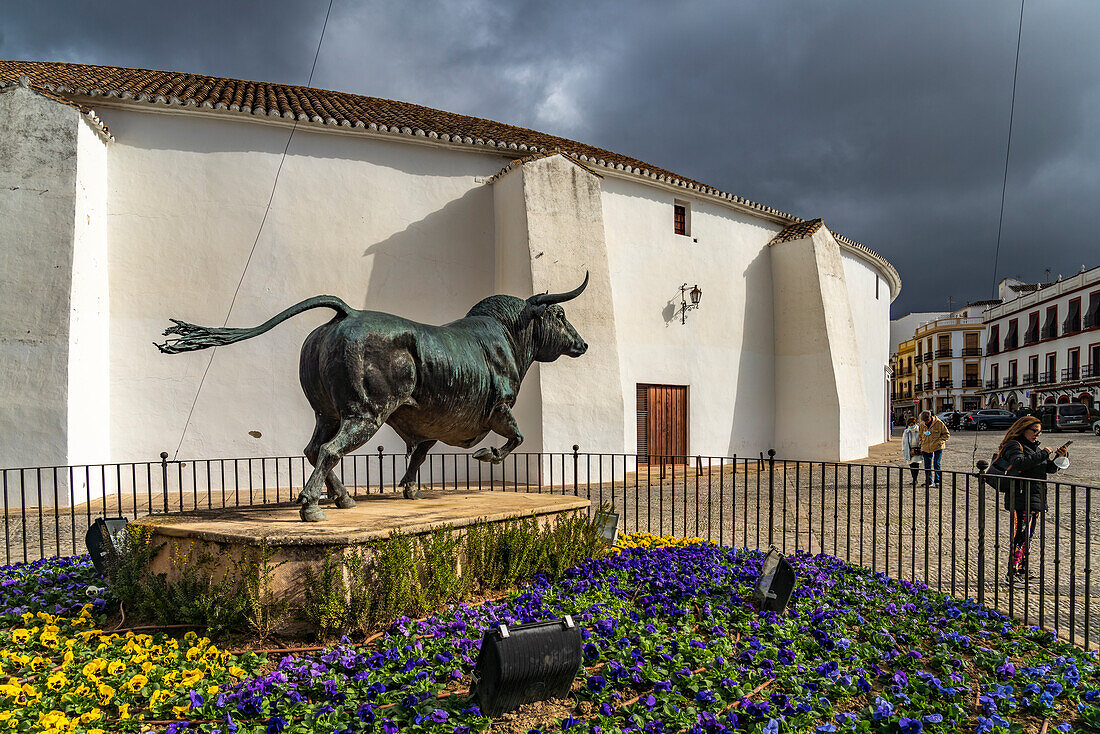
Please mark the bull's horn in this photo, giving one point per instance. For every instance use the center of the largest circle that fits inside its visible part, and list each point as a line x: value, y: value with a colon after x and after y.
x: 545, y: 299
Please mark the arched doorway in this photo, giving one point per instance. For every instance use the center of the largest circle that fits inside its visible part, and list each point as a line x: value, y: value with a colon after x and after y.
x: 1063, y: 400
x: 1013, y: 404
x: 1050, y: 400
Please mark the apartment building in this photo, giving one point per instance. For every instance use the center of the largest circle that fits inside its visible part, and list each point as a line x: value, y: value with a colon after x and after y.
x: 1043, y: 343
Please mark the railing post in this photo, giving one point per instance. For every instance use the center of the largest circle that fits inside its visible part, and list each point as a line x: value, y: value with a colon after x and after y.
x: 164, y: 479
x: 771, y: 497
x: 982, y: 466
x: 382, y: 472
x: 575, y: 469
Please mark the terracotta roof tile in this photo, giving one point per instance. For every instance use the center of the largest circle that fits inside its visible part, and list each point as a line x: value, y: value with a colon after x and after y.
x: 798, y: 231
x: 327, y: 107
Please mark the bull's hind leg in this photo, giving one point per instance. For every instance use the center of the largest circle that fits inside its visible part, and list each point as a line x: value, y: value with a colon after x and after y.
x: 351, y: 434
x: 323, y: 432
x: 503, y: 422
x: 416, y: 458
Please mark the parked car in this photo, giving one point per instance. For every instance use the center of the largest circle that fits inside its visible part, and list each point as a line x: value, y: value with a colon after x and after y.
x: 948, y: 418
x: 1064, y: 417
x: 1096, y: 426
x: 987, y: 418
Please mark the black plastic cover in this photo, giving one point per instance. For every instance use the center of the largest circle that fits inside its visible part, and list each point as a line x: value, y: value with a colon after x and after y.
x: 101, y: 532
x: 776, y: 582
x: 529, y: 662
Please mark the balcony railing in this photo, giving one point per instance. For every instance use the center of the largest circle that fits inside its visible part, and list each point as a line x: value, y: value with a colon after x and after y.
x: 1069, y: 326
x: 972, y: 351
x: 1091, y: 322
x: 992, y: 348
x: 1090, y: 370
x: 1047, y: 377
x: 1071, y: 373
x: 1049, y: 332
x: 1010, y: 381
x: 991, y: 383
x: 944, y: 382
x: 972, y: 382
x: 941, y: 353
x: 928, y: 385
x: 1030, y: 379
x: 1030, y: 337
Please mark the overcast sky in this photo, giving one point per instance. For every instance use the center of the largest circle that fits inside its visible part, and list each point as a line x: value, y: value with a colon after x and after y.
x: 887, y: 119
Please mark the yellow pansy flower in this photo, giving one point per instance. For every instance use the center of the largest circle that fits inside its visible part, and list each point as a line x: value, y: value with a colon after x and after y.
x: 191, y: 677
x: 124, y: 711
x: 115, y: 667
x: 106, y: 693
x: 89, y: 716
x: 20, y: 636
x: 136, y: 683
x: 57, y: 681
x: 180, y: 711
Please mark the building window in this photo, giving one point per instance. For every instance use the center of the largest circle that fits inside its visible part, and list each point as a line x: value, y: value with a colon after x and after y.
x: 1092, y: 316
x: 1073, y: 319
x: 1012, y: 336
x: 681, y: 218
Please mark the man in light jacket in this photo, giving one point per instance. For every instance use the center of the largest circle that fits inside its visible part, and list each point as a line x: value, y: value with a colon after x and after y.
x: 933, y: 438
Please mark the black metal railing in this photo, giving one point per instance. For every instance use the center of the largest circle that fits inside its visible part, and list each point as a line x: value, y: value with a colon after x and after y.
x: 1047, y: 377
x: 1030, y: 379
x: 944, y: 382
x: 972, y: 382
x: 954, y: 535
x: 1071, y: 373
x: 1010, y: 381
x: 972, y: 351
x: 941, y: 353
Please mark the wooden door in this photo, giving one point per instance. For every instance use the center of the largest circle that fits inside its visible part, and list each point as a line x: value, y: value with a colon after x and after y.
x: 662, y: 424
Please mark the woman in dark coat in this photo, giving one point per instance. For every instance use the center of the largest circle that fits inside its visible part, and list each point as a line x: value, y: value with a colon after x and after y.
x: 1026, y: 499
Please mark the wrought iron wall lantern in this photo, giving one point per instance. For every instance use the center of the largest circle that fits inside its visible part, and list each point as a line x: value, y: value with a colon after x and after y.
x: 694, y: 294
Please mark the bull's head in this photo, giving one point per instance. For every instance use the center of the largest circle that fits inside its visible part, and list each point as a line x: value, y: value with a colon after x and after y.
x: 553, y: 334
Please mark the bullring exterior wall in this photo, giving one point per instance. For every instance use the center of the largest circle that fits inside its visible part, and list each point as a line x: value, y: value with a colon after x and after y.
x: 416, y: 228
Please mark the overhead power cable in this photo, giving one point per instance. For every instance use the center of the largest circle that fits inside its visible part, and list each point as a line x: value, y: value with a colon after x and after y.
x: 255, y: 241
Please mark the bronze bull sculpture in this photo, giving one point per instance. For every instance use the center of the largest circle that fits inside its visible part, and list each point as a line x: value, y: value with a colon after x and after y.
x: 453, y: 383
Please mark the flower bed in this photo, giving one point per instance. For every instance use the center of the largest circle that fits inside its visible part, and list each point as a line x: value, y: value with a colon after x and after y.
x: 670, y: 645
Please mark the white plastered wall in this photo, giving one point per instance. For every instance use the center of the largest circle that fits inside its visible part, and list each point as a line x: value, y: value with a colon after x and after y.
x: 550, y: 231
x: 723, y: 352
x: 393, y: 227
x: 869, y: 299
x: 38, y: 171
x: 89, y: 425
x: 821, y: 405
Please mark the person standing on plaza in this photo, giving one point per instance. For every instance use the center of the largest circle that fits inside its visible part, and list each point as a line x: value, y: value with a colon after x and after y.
x: 933, y: 439
x: 1025, y: 499
x: 910, y: 447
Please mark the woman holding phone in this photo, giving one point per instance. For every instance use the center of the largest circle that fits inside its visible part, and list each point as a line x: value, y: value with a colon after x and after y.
x: 1026, y: 499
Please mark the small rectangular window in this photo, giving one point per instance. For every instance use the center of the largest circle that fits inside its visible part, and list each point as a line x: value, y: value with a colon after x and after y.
x: 681, y: 218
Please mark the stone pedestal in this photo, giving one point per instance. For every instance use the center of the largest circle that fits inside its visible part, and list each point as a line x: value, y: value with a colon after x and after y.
x: 230, y: 535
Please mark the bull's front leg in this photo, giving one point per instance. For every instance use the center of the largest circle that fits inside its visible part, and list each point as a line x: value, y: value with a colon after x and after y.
x: 504, y: 423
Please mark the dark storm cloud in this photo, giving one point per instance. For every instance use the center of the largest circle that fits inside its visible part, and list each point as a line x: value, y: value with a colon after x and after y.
x: 887, y: 119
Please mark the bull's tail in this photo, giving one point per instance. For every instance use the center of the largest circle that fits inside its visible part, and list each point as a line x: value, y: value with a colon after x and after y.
x: 189, y: 337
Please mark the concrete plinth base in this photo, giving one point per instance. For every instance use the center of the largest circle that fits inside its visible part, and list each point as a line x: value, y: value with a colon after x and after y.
x: 228, y: 536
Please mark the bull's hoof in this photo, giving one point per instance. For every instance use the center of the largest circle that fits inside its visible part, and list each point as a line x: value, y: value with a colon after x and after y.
x: 490, y: 455
x: 413, y: 493
x: 312, y: 513
x: 345, y: 502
